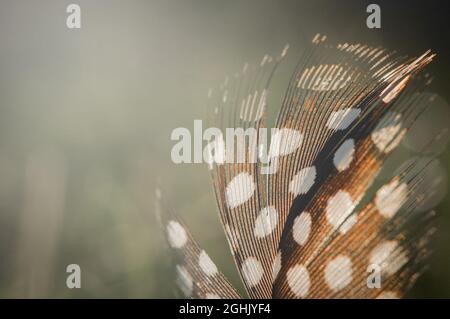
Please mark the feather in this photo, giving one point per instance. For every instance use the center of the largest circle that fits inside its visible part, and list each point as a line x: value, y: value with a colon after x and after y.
x: 197, y: 275
x: 310, y: 223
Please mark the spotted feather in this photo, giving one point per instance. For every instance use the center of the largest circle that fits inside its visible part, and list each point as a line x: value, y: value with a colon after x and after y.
x: 303, y: 215
x: 197, y: 276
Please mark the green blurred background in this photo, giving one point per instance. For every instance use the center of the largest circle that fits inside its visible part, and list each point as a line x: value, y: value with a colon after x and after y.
x: 86, y: 117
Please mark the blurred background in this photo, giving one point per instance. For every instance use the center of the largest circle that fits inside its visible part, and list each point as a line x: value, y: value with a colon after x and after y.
x: 86, y: 117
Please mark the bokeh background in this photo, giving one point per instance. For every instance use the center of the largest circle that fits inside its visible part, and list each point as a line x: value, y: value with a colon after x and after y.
x: 86, y: 117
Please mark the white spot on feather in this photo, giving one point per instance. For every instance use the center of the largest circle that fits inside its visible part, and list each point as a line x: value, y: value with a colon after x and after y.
x: 252, y: 271
x: 324, y: 77
x: 390, y: 198
x: 344, y: 155
x: 285, y: 141
x: 388, y: 134
x: 302, y: 228
x: 338, y: 210
x: 206, y: 264
x: 298, y: 280
x: 302, y: 182
x: 340, y: 120
x: 389, y: 257
x: 239, y: 190
x: 338, y: 273
x: 176, y: 234
x: 266, y: 222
